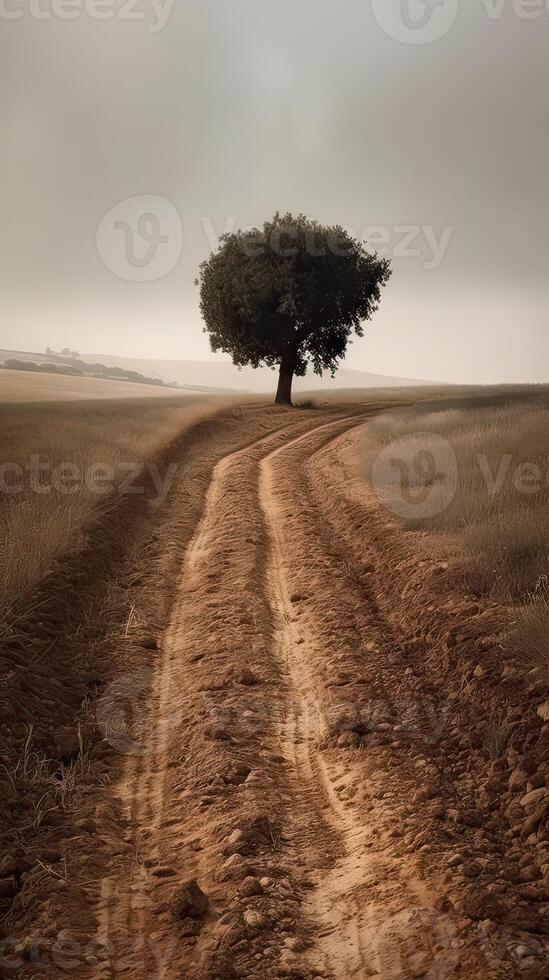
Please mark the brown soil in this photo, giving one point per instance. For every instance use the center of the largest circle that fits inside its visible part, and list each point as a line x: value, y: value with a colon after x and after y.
x: 284, y: 765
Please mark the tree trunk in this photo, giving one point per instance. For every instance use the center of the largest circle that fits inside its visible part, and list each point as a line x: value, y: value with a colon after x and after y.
x: 285, y: 378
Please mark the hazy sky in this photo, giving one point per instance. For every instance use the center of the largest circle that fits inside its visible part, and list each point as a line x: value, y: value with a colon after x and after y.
x: 233, y: 109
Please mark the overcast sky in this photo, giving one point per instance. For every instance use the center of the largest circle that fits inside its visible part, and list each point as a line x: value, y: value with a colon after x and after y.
x: 229, y: 110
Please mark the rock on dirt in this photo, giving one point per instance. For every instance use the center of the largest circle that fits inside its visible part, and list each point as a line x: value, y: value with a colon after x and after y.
x: 255, y: 919
x: 249, y: 887
x: 518, y: 779
x: 190, y: 901
x: 543, y: 711
x: 533, y: 799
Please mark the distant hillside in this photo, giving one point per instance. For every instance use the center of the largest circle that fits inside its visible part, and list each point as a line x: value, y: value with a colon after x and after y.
x: 115, y: 368
x: 222, y: 376
x: 80, y: 369
x: 35, y: 386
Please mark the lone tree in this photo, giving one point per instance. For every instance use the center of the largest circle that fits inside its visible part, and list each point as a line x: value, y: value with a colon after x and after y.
x: 289, y: 294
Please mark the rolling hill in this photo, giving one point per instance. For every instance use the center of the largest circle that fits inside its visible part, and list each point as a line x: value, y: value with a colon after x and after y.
x: 223, y: 376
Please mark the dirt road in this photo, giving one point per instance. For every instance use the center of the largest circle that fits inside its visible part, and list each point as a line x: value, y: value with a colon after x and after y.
x: 260, y: 672
x: 234, y: 638
x: 289, y: 756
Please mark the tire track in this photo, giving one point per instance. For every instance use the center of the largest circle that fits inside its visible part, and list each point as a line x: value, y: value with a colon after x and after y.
x: 237, y: 581
x: 252, y: 781
x: 343, y: 931
x: 375, y: 913
x: 124, y: 905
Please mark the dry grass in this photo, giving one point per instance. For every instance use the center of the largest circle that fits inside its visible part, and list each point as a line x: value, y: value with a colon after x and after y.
x: 307, y: 403
x: 44, y: 508
x: 496, y: 737
x: 49, y: 784
x: 529, y: 635
x: 487, y: 493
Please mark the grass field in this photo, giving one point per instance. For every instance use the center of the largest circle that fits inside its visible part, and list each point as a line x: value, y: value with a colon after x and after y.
x: 60, y: 464
x: 257, y: 650
x: 26, y: 386
x: 66, y: 446
x: 482, y: 465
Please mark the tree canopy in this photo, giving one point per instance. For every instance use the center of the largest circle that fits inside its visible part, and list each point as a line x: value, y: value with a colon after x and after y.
x: 289, y: 294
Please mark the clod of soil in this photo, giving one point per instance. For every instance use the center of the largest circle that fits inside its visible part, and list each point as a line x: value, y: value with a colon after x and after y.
x: 236, y: 775
x: 255, y: 920
x: 249, y: 887
x: 190, y: 901
x: 246, y: 678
